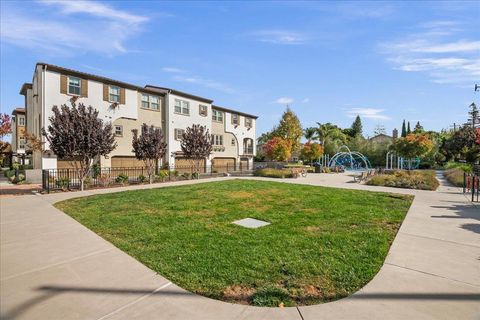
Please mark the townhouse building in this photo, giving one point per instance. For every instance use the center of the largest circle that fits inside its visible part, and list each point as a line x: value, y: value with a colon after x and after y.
x: 127, y: 107
x: 19, y: 141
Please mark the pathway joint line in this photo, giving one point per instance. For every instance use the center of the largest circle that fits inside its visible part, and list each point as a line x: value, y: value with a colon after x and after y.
x: 301, y: 316
x: 432, y: 274
x: 443, y: 240
x: 134, y: 301
x: 56, y: 264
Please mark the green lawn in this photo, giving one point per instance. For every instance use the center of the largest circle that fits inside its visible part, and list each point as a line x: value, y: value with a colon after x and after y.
x: 323, y: 243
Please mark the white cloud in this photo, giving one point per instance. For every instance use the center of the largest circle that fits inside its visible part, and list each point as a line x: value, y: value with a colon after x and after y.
x: 436, y: 51
x: 367, y: 113
x: 173, y: 70
x: 102, y: 29
x: 284, y: 100
x: 95, y: 9
x: 204, y: 82
x: 280, y: 37
x: 306, y: 100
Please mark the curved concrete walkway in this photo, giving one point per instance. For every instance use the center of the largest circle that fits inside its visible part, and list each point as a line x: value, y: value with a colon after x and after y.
x: 54, y: 268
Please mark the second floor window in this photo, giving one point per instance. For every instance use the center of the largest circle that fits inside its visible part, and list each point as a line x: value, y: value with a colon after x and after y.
x: 248, y: 122
x: 203, y: 110
x: 235, y: 119
x: 217, y: 115
x: 74, y: 86
x: 22, y: 142
x: 217, y: 139
x: 114, y: 94
x: 118, y: 130
x: 150, y: 102
x: 182, y: 107
x: 21, y: 121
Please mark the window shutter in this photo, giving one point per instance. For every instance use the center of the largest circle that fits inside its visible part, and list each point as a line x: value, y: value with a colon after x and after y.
x: 105, y: 92
x: 84, y: 88
x: 63, y: 84
x: 122, y: 95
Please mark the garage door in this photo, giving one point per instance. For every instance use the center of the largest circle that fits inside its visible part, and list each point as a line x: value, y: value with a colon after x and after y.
x: 185, y: 165
x: 223, y: 164
x: 65, y: 164
x: 126, y: 162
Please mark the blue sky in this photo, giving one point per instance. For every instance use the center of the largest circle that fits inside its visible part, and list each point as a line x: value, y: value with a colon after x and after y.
x: 386, y: 61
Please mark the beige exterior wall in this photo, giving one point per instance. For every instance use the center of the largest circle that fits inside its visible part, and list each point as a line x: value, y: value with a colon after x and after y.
x: 124, y: 143
x: 231, y: 151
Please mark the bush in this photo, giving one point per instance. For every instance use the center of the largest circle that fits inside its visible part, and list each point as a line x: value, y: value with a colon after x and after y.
x: 121, y: 178
x: 63, y: 183
x: 186, y: 175
x: 9, y: 173
x: 461, y: 166
x: 271, y: 297
x: 142, y: 178
x: 454, y: 176
x: 416, y: 179
x: 273, y: 173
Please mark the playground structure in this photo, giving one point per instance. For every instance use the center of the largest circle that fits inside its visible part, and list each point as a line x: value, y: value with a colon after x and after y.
x: 394, y: 161
x: 349, y: 160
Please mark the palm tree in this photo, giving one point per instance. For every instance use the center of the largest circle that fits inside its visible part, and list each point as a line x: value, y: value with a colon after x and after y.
x: 331, y: 137
x: 310, y: 133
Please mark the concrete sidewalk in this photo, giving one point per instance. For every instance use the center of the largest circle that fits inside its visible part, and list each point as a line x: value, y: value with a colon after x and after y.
x: 51, y: 267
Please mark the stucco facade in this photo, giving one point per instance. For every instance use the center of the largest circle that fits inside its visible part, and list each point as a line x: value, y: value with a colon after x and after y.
x: 122, y: 105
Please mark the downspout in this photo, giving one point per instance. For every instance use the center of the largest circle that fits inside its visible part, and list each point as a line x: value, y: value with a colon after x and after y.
x: 44, y: 69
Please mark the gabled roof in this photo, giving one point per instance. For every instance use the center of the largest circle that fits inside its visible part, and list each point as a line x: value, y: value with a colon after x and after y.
x: 234, y: 111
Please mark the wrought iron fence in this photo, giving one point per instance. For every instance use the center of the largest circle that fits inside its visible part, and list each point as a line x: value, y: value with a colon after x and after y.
x: 471, y: 184
x: 69, y: 179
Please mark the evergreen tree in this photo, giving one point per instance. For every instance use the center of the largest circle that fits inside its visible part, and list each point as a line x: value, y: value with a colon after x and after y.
x: 474, y: 114
x: 357, y: 127
x: 408, y: 128
x: 404, y: 129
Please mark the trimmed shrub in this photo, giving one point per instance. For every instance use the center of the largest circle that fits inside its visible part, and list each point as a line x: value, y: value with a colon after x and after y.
x: 416, y: 179
x: 121, y: 178
x: 142, y: 178
x: 273, y: 173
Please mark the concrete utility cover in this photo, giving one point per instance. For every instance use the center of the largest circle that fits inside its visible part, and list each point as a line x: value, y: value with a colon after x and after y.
x: 251, y: 223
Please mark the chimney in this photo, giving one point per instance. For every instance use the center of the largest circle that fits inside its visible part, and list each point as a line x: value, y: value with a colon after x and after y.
x: 395, y: 133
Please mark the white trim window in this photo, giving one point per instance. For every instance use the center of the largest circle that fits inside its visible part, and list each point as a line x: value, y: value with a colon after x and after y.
x: 235, y: 119
x: 21, y: 120
x: 74, y: 86
x: 113, y: 94
x: 203, y: 110
x: 118, y: 130
x: 182, y: 107
x: 248, y: 122
x: 179, y: 134
x: 150, y: 102
x: 217, y: 139
x: 22, y: 142
x: 217, y: 115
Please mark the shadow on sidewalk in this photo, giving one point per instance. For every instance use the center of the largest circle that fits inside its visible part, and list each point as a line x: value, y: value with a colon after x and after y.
x: 462, y: 211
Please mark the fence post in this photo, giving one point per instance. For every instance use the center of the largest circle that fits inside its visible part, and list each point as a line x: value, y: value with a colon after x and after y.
x: 473, y: 187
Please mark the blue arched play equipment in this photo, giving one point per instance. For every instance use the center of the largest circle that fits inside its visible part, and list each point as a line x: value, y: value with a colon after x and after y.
x: 349, y: 160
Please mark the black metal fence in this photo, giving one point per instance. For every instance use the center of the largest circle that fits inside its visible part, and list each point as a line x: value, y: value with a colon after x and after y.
x: 69, y: 179
x: 471, y: 184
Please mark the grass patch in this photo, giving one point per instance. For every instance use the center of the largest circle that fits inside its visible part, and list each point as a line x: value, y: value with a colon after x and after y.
x: 323, y: 243
x: 273, y: 173
x: 454, y: 176
x: 415, y: 179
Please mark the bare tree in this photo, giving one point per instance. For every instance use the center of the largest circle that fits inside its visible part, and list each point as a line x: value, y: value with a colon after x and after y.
x: 77, y: 134
x: 149, y: 147
x: 196, y: 144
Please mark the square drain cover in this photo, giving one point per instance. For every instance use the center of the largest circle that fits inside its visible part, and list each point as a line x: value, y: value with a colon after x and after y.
x: 251, y: 223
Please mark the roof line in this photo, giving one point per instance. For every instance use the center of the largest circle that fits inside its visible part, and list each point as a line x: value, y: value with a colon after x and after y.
x: 234, y: 111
